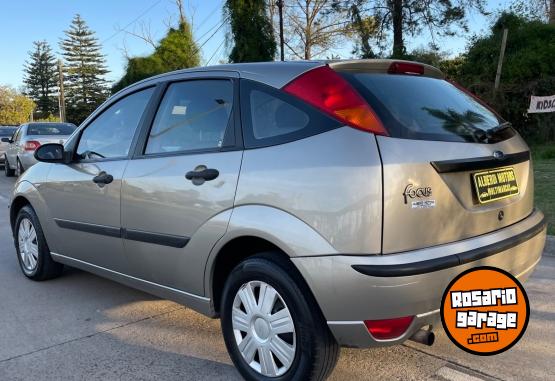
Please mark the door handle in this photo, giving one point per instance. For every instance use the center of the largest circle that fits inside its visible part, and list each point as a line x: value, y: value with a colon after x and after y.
x: 202, y: 173
x: 102, y: 179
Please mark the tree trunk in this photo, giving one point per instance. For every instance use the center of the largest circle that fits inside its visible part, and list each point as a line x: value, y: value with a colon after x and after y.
x: 308, y: 34
x: 552, y: 12
x: 397, y: 14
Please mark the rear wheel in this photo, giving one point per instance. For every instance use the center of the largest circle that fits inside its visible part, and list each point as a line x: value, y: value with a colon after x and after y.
x: 272, y: 326
x: 7, y: 170
x: 19, y: 168
x: 32, y: 251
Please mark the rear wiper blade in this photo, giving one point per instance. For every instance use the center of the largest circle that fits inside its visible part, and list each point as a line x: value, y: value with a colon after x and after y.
x: 501, y: 127
x: 480, y: 135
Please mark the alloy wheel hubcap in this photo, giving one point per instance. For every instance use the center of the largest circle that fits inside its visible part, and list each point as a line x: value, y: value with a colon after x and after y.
x: 263, y: 328
x: 28, y: 245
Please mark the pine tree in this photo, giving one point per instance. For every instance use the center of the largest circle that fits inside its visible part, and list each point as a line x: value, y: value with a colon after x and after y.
x: 252, y: 31
x: 85, y: 68
x: 40, y: 78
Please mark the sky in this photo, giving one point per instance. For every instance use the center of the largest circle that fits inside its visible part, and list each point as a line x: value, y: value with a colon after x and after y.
x: 25, y: 21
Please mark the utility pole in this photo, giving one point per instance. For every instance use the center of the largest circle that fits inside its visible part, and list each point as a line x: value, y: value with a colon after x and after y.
x: 281, y: 42
x: 61, y: 99
x: 552, y: 12
x: 501, y: 58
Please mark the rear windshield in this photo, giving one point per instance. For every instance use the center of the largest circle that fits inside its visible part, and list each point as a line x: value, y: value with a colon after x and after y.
x: 426, y: 108
x: 51, y: 129
x: 7, y: 131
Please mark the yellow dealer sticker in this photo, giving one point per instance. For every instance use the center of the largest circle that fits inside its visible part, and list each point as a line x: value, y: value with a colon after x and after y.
x: 495, y: 185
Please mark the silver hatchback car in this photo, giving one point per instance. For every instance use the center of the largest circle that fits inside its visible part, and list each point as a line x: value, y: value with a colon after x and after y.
x: 20, y: 150
x: 309, y: 205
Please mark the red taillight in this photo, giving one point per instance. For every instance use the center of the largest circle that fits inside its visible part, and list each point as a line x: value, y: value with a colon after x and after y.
x: 388, y: 328
x: 326, y: 90
x: 31, y: 145
x: 406, y: 68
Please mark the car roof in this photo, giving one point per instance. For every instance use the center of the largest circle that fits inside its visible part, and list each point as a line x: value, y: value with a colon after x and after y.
x: 279, y: 73
x: 276, y: 73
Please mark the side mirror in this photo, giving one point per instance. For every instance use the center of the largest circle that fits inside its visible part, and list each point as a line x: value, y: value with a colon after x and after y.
x: 6, y: 140
x: 50, y: 153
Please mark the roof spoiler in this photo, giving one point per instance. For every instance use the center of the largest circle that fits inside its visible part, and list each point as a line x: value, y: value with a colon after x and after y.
x: 381, y: 66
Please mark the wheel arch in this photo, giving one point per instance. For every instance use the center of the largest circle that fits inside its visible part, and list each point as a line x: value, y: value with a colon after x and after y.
x: 230, y: 255
x: 25, y: 193
x: 17, y: 204
x: 254, y: 229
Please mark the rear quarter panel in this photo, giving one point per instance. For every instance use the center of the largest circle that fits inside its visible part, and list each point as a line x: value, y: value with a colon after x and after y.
x: 330, y: 181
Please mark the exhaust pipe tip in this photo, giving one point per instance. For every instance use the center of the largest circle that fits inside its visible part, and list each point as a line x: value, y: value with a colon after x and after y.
x: 423, y: 336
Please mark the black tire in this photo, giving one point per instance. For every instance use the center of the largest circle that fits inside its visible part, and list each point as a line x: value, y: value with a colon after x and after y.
x: 45, y: 267
x: 19, y: 168
x: 316, y: 349
x: 7, y: 170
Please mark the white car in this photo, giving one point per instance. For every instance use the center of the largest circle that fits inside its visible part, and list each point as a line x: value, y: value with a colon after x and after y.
x: 19, y: 154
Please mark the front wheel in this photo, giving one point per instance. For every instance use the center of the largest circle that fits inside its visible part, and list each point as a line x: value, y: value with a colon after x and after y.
x: 272, y: 326
x: 32, y: 251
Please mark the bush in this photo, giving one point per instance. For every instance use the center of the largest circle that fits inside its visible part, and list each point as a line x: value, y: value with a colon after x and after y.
x: 528, y: 70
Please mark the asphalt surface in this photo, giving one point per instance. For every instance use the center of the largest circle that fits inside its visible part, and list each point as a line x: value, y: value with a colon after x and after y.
x: 82, y: 327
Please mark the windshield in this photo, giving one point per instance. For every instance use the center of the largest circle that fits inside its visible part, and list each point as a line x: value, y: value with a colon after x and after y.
x: 414, y: 107
x: 51, y: 129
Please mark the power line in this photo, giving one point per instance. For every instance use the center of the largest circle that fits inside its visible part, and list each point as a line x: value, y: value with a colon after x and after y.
x: 218, y: 24
x: 212, y: 35
x: 132, y: 22
x: 209, y: 15
x: 215, y: 51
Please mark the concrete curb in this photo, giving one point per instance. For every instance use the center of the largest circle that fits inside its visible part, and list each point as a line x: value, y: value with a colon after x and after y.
x: 550, y: 246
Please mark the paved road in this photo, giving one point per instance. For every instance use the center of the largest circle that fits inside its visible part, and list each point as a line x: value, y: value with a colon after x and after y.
x: 82, y: 327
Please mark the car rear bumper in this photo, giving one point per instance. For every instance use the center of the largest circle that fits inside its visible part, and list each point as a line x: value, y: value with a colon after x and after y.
x: 351, y: 289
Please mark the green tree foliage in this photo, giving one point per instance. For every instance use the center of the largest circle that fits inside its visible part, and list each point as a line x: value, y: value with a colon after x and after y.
x: 414, y: 17
x: 85, y: 68
x: 251, y: 31
x: 364, y: 28
x: 428, y: 56
x: 532, y: 9
x: 41, y: 79
x: 177, y: 50
x: 15, y: 108
x: 528, y: 69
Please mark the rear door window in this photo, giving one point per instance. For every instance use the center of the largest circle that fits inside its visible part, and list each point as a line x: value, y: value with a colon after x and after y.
x: 193, y: 116
x: 272, y: 117
x: 426, y: 108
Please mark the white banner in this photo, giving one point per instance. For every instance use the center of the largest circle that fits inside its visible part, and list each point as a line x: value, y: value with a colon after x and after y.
x: 542, y: 104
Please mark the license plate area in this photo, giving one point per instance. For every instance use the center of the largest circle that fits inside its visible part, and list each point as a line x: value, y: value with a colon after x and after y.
x: 495, y: 184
